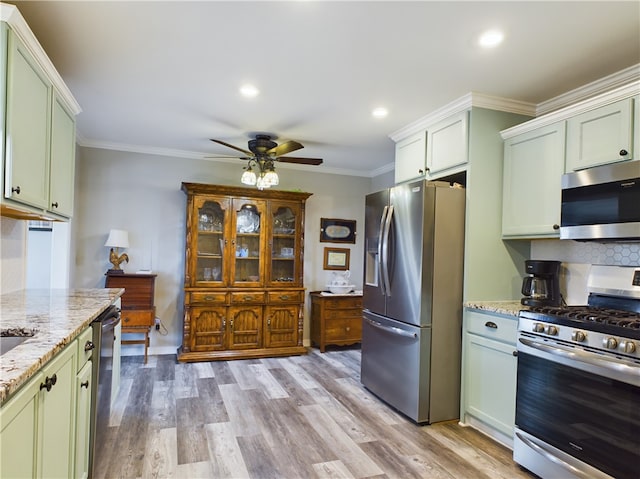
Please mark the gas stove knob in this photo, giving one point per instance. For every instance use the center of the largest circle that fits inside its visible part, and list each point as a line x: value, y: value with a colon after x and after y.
x: 628, y: 347
x: 538, y: 327
x: 578, y: 336
x: 610, y: 343
x: 551, y: 330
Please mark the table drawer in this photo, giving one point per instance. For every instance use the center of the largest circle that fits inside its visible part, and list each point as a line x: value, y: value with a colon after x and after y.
x: 208, y: 297
x: 353, y: 313
x: 343, y: 329
x: 500, y: 328
x: 342, y: 303
x: 85, y: 347
x: 247, y: 297
x: 133, y: 318
x: 285, y: 297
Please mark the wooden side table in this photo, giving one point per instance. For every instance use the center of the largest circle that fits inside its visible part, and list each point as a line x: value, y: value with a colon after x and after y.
x: 335, y: 319
x: 138, y: 310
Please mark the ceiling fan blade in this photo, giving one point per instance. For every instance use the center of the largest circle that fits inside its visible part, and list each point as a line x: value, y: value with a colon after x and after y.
x: 246, y: 152
x: 215, y: 157
x: 301, y: 161
x: 284, y: 148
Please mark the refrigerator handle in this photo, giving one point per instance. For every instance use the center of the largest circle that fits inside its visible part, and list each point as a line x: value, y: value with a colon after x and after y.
x: 385, y: 252
x: 380, y: 250
x: 391, y: 329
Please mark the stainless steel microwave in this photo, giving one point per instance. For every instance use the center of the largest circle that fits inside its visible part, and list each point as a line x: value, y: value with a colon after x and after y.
x: 602, y: 203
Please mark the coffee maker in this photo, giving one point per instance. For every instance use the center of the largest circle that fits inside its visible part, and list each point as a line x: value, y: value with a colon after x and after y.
x: 542, y: 287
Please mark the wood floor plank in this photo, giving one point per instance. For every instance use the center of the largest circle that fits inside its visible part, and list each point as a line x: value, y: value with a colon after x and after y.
x: 122, y: 398
x: 211, y: 400
x: 293, y: 388
x: 184, y: 385
x: 347, y: 451
x: 192, y: 443
x: 225, y: 454
x: 162, y: 410
x: 259, y: 458
x: 160, y: 459
x: 203, y: 370
x: 297, y: 373
x: 332, y: 470
x: 269, y: 384
x: 242, y: 418
x: 195, y: 470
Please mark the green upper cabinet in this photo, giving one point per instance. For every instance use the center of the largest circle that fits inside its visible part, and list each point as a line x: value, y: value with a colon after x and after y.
x: 447, y: 144
x: 410, y: 158
x: 533, y: 168
x: 600, y: 136
x: 38, y: 130
x: 27, y: 127
x: 63, y: 138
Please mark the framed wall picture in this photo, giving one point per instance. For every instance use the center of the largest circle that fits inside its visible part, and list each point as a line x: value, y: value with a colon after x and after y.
x: 334, y: 230
x: 336, y: 258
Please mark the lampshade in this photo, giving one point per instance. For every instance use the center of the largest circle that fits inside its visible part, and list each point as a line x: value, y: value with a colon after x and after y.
x: 118, y: 239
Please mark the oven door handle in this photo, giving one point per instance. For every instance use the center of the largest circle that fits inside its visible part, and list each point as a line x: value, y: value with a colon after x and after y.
x: 540, y: 449
x: 620, y: 369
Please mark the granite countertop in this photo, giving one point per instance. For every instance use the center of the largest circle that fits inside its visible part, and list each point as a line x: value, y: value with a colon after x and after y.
x: 56, y: 316
x: 509, y: 308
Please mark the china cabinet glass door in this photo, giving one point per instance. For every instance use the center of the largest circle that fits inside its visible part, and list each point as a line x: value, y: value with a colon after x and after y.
x: 248, y: 248
x: 211, y: 241
x: 285, y: 252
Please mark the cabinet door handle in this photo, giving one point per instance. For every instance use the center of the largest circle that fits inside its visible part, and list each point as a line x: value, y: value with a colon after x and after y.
x: 49, y: 382
x: 89, y: 346
x: 269, y: 323
x: 16, y: 190
x: 556, y: 227
x: 224, y: 324
x: 623, y: 152
x: 231, y: 325
x: 85, y: 384
x: 284, y: 297
x: 420, y: 171
x: 491, y: 324
x: 247, y: 298
x: 54, y: 205
x: 209, y: 298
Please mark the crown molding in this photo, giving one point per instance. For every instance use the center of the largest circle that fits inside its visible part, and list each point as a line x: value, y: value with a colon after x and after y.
x: 601, y: 86
x: 12, y: 16
x: 466, y: 102
x: 612, y: 96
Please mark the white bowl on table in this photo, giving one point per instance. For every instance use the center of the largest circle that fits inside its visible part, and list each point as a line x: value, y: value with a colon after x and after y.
x: 340, y: 288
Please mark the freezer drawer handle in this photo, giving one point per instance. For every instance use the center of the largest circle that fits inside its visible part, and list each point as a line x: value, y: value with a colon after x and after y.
x: 391, y: 329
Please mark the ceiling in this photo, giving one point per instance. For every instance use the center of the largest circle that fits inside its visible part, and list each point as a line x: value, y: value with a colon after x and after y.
x: 163, y: 77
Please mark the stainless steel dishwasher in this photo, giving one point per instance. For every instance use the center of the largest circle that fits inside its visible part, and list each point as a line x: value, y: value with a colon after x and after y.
x: 103, y: 339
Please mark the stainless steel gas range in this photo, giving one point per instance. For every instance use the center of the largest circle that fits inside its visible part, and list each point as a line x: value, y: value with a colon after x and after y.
x: 578, y: 388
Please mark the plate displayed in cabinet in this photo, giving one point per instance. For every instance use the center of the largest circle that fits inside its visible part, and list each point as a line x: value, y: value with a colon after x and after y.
x: 247, y: 222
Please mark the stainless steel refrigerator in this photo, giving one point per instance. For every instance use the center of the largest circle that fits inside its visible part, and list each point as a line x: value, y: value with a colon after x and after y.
x: 412, y: 318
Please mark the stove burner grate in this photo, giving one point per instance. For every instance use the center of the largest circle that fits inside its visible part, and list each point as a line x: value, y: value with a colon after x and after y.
x: 612, y: 317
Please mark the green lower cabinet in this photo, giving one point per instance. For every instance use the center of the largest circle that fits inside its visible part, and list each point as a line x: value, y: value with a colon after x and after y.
x: 489, y: 374
x: 18, y: 438
x: 45, y: 426
x: 83, y: 420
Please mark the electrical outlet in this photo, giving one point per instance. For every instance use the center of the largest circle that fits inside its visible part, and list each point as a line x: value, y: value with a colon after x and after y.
x: 157, y: 324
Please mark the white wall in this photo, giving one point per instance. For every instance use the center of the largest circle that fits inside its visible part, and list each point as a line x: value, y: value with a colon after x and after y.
x: 141, y: 194
x: 13, y: 251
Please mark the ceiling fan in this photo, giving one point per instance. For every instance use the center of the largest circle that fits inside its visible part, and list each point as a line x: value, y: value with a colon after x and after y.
x: 262, y: 154
x: 263, y: 147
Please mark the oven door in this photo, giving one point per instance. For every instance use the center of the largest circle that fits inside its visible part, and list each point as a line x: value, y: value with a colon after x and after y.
x: 582, y: 403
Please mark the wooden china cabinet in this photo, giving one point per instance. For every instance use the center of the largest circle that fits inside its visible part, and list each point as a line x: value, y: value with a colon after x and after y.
x: 243, y: 288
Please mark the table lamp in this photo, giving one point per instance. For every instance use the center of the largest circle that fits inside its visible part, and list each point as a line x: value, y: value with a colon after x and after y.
x: 117, y: 239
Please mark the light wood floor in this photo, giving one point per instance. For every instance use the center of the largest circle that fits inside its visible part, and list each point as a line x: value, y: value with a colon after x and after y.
x: 295, y: 417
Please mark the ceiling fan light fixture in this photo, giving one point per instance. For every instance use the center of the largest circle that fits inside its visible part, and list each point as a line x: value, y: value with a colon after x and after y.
x: 248, y: 177
x: 271, y: 177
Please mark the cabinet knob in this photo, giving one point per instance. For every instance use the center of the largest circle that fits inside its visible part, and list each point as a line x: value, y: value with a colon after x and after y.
x: 85, y: 384
x: 556, y: 227
x: 209, y: 298
x: 623, y: 152
x: 54, y: 205
x: 491, y: 324
x: 284, y: 297
x: 16, y: 190
x: 421, y: 171
x: 347, y: 329
x: 247, y: 298
x: 49, y: 382
x: 125, y: 320
x: 514, y: 353
x: 89, y: 346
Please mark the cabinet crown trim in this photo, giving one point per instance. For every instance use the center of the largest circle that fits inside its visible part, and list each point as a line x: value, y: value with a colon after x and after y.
x: 617, y: 94
x: 12, y: 16
x: 466, y: 102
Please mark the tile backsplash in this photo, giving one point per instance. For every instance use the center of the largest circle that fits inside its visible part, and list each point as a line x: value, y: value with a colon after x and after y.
x: 590, y: 252
x: 577, y: 258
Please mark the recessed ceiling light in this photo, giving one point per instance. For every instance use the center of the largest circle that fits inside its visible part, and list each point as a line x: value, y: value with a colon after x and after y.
x: 248, y: 91
x: 491, y: 38
x: 379, y: 112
